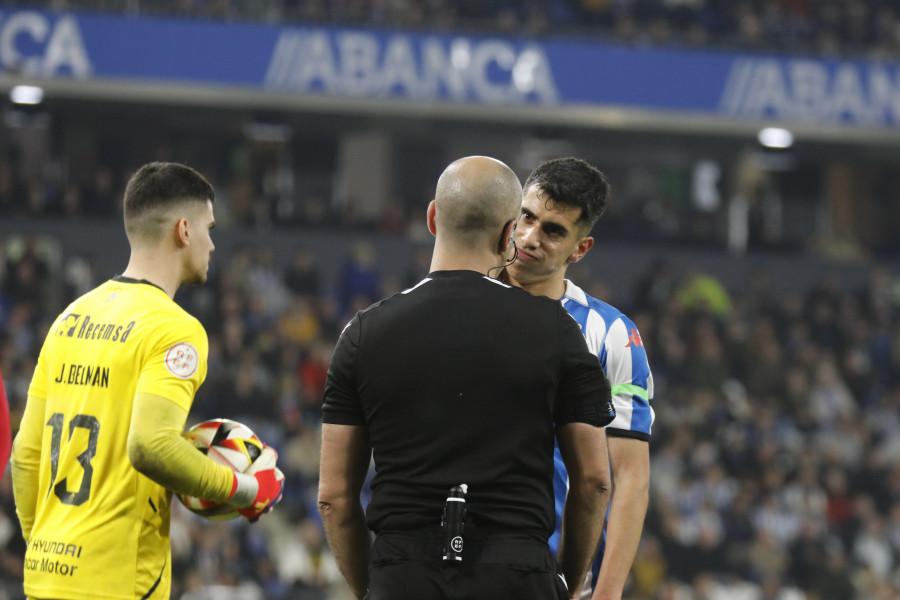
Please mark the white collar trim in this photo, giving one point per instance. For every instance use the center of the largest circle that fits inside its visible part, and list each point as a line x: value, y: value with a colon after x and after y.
x: 575, y: 293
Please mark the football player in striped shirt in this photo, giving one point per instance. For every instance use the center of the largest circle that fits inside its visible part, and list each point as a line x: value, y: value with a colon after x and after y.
x: 563, y: 198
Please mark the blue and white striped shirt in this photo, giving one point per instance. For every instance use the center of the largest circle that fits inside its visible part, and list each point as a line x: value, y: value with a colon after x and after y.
x: 615, y: 340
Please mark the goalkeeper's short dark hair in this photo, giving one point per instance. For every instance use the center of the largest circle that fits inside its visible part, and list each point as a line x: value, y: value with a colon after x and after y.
x: 157, y: 187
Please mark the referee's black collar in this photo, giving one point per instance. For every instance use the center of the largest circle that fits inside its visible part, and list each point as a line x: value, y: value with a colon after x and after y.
x: 123, y: 279
x: 458, y: 273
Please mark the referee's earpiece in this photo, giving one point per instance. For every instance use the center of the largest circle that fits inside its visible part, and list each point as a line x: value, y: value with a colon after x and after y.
x: 504, y: 248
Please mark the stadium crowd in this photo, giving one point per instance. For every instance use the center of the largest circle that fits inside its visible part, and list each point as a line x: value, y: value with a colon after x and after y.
x: 775, y: 454
x: 869, y: 27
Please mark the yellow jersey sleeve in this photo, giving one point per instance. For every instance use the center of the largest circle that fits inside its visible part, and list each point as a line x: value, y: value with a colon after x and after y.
x: 25, y: 463
x: 176, y: 361
x: 169, y: 459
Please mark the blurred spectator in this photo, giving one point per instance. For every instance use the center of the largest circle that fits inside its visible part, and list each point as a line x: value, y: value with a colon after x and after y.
x: 28, y: 275
x: 312, y: 371
x: 298, y: 323
x: 703, y: 293
x: 11, y: 190
x: 359, y: 284
x: 301, y: 277
x: 833, y: 581
x: 101, y: 195
x: 807, y: 555
x: 829, y: 397
x: 649, y: 568
x: 79, y: 275
x: 654, y: 287
x: 305, y: 563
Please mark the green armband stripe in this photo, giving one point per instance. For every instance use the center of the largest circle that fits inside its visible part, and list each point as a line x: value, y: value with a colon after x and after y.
x: 630, y: 389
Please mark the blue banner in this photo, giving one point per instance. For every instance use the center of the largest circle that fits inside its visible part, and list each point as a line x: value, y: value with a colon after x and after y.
x: 491, y: 71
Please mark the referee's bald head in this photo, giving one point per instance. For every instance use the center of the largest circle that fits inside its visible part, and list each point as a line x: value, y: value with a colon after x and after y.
x: 475, y: 196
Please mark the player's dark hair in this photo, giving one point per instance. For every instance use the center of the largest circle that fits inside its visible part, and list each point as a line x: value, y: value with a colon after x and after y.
x: 571, y: 181
x: 158, y: 186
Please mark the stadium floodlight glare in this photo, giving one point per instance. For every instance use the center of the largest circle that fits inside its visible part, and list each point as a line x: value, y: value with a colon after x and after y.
x: 26, y: 94
x: 776, y: 137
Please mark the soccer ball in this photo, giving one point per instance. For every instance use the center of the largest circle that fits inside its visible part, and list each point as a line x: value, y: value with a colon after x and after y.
x: 228, y: 443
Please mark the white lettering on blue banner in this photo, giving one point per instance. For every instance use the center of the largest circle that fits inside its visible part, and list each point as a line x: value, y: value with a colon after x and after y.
x: 38, y: 46
x: 364, y: 65
x: 811, y: 91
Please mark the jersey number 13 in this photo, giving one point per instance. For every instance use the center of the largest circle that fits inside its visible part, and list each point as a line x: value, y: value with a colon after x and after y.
x: 92, y: 425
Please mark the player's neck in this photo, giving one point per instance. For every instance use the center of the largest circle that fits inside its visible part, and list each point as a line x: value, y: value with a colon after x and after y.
x: 149, y: 266
x: 552, y: 287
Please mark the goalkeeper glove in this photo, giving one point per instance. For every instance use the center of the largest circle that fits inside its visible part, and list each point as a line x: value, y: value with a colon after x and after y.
x: 259, y: 488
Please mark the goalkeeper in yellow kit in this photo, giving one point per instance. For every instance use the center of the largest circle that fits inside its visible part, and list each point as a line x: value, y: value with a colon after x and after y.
x: 99, y: 450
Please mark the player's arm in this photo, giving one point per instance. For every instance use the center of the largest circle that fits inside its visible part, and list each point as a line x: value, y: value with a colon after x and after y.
x: 163, y: 397
x: 345, y: 461
x: 629, y: 460
x: 157, y: 450
x: 629, y: 455
x: 25, y: 463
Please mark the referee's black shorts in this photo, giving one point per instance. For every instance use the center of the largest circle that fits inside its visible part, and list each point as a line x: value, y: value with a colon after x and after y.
x: 409, y: 566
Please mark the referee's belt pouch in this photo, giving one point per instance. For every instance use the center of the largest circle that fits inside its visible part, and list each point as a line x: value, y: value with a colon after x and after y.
x: 513, y: 550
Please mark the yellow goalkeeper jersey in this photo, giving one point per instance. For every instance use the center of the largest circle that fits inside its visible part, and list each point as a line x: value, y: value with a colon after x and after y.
x: 101, y: 529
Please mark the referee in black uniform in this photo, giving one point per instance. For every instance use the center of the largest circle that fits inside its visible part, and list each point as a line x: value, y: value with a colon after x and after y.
x: 459, y: 386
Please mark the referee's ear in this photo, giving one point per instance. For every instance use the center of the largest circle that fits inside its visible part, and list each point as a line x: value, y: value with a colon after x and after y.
x: 507, y: 236
x: 430, y: 216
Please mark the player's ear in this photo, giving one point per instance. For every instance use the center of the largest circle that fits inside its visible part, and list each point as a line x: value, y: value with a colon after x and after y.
x: 181, y: 232
x: 581, y: 249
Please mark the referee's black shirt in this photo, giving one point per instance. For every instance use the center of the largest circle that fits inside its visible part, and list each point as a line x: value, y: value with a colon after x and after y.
x: 460, y: 379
